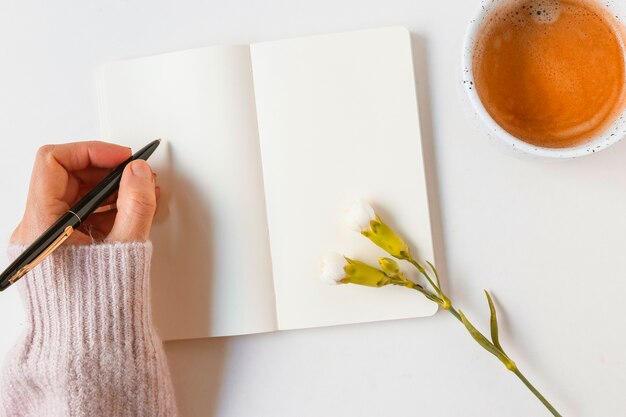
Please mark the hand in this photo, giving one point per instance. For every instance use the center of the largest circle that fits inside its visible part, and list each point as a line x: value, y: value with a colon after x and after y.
x: 64, y: 173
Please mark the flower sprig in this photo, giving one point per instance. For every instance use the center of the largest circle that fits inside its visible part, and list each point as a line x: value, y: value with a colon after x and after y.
x: 338, y: 269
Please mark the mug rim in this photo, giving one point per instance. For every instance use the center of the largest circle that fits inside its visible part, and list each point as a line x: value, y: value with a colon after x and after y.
x: 601, y: 141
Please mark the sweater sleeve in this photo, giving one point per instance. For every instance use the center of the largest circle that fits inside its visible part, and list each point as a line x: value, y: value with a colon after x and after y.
x: 89, y: 348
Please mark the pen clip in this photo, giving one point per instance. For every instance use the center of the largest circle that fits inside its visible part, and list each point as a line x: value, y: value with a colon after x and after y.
x: 28, y: 267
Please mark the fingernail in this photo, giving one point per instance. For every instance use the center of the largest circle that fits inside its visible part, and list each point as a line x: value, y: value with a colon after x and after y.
x: 141, y: 168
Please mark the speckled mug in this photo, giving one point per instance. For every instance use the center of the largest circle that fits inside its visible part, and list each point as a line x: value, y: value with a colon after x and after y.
x: 497, y: 134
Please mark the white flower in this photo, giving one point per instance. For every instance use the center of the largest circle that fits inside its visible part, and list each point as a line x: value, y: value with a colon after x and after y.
x: 333, y: 266
x: 337, y: 269
x: 362, y: 218
x: 359, y: 216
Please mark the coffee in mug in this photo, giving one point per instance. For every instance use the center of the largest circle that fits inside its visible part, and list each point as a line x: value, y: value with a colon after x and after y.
x: 551, y: 72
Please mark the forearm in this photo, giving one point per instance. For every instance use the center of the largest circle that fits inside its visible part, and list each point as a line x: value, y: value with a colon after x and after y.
x: 90, y: 348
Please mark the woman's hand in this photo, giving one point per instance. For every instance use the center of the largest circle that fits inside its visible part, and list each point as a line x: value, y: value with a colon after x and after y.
x: 64, y: 173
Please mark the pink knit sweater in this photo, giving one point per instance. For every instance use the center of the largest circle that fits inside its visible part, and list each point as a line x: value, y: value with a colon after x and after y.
x: 89, y: 348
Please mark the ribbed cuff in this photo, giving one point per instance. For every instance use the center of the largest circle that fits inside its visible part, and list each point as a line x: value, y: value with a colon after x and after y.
x: 90, y: 338
x: 91, y: 292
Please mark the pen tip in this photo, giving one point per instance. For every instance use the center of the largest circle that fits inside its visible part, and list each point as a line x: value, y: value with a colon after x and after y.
x: 159, y: 140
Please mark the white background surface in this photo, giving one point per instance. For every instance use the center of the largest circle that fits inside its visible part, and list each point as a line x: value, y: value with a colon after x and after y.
x: 546, y: 237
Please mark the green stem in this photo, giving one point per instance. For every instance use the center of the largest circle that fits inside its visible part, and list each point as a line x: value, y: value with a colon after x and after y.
x: 537, y: 393
x: 455, y: 313
x: 442, y: 300
x: 423, y: 272
x: 521, y: 376
x: 425, y: 292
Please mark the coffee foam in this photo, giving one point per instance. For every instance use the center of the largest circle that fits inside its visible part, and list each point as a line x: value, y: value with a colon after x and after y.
x: 518, y: 12
x: 543, y: 11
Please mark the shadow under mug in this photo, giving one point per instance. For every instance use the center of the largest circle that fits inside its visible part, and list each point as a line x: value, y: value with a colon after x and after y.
x: 472, y: 103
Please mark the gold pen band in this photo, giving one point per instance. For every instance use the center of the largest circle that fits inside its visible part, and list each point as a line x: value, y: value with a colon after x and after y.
x: 105, y: 208
x: 28, y: 267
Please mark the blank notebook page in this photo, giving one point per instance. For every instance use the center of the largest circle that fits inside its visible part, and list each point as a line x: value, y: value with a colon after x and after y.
x: 338, y: 120
x: 211, y: 272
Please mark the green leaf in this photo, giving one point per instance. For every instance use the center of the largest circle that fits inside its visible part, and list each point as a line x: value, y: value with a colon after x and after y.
x: 436, y: 274
x: 486, y: 344
x: 493, y: 322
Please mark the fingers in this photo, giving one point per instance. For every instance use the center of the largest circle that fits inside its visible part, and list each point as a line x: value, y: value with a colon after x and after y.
x: 136, y: 204
x: 54, y: 164
x: 81, y: 155
x: 59, y: 173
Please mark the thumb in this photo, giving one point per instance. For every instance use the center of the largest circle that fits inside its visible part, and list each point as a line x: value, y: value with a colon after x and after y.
x: 136, y: 204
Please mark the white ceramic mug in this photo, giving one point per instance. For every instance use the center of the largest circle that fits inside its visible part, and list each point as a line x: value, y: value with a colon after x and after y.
x: 494, y: 131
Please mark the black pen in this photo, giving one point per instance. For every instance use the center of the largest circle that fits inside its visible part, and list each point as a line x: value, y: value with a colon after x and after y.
x: 65, y: 226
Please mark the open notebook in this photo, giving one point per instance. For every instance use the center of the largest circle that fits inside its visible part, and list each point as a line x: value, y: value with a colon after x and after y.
x: 268, y: 146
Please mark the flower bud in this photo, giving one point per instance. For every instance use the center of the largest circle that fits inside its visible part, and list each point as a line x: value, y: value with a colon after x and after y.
x: 360, y: 273
x: 337, y: 269
x: 389, y: 266
x: 363, y: 219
